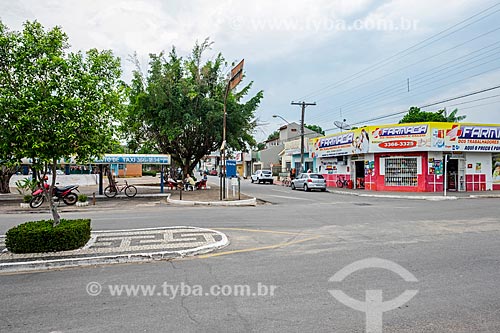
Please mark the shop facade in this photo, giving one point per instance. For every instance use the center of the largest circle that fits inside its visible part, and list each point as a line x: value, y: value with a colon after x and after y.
x: 418, y: 157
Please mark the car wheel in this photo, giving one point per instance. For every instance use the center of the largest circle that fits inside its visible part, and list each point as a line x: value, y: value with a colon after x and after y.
x: 293, y: 186
x: 306, y: 188
x: 271, y: 182
x: 323, y: 189
x: 251, y: 179
x: 258, y: 180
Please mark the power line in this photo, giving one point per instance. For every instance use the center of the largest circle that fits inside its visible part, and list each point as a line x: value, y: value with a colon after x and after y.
x: 474, y: 100
x: 405, y: 51
x: 423, y: 83
x: 430, y: 70
x: 425, y: 106
x: 432, y: 104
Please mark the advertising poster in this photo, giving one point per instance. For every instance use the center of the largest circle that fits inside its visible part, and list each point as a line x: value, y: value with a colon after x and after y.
x: 403, y: 137
x: 333, y: 145
x: 496, y: 168
x: 466, y: 137
x: 430, y: 136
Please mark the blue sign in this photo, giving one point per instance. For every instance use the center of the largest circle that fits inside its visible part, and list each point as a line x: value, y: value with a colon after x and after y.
x: 134, y: 159
x: 231, y: 168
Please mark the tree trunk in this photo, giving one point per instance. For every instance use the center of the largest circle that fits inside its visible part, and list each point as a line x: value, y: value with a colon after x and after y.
x: 53, y: 208
x: 4, y: 182
x: 5, y: 175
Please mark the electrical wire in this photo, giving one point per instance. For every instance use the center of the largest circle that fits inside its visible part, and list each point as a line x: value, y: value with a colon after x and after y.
x: 404, y: 52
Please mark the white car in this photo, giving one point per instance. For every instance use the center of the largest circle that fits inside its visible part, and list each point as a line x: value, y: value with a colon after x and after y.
x: 262, y: 176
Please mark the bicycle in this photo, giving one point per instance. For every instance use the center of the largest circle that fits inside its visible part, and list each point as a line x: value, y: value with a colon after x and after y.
x: 112, y: 190
x: 342, y: 182
x: 286, y: 182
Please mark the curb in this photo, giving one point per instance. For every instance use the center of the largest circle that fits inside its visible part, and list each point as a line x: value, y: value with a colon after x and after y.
x: 389, y: 196
x: 246, y: 202
x: 41, y: 265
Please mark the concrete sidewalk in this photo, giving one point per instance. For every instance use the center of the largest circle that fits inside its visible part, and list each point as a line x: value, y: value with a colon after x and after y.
x: 436, y: 196
x: 120, y: 246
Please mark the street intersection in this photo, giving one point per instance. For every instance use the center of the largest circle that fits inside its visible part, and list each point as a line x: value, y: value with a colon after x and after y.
x: 294, y: 241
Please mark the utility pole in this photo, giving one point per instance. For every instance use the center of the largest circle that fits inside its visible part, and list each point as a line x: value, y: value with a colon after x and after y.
x: 303, y: 104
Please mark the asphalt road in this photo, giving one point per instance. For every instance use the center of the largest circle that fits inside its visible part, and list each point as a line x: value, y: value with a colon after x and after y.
x: 293, y: 245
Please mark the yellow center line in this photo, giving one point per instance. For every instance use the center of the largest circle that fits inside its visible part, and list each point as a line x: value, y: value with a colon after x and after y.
x: 280, y: 245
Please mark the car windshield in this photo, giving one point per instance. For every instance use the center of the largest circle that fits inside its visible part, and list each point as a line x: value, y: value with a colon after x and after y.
x: 265, y: 172
x: 315, y: 176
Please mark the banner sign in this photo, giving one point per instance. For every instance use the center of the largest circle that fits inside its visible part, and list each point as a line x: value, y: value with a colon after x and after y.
x: 134, y: 159
x: 466, y: 137
x: 405, y: 137
x: 430, y: 136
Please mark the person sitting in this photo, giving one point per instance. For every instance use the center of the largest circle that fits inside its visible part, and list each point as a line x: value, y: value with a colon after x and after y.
x: 171, y: 183
x: 189, y: 183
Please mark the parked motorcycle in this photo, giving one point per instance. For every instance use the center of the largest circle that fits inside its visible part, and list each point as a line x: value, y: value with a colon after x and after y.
x: 65, y: 193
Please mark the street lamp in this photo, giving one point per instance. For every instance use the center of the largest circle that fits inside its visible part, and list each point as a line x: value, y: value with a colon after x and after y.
x: 278, y: 116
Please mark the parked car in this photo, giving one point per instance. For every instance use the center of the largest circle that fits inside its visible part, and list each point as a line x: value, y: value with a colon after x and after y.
x: 309, y: 181
x: 262, y: 176
x: 213, y: 172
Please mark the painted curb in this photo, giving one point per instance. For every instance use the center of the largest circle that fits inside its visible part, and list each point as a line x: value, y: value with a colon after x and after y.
x: 246, y: 202
x: 389, y: 196
x: 42, y: 265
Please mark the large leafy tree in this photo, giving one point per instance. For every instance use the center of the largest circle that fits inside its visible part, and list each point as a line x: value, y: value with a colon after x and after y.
x: 315, y: 128
x: 416, y: 115
x: 55, y: 104
x: 177, y: 108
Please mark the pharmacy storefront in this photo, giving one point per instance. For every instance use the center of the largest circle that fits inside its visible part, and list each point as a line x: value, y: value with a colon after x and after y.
x: 419, y: 157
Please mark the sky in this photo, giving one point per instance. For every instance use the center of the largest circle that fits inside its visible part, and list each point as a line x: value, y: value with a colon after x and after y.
x: 358, y: 60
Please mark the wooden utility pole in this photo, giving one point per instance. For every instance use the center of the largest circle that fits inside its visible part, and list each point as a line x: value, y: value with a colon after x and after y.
x: 303, y: 104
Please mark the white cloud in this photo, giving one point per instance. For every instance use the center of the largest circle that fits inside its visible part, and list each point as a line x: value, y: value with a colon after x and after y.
x: 291, y: 47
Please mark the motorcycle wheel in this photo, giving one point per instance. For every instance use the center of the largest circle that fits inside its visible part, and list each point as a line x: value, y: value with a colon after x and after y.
x: 37, y: 201
x: 109, y: 192
x: 70, y: 199
x: 130, y: 191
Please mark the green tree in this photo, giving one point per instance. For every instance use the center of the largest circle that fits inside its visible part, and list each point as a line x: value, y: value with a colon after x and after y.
x: 273, y: 136
x: 315, y: 128
x: 415, y: 115
x: 177, y: 108
x: 55, y: 104
x: 452, y: 117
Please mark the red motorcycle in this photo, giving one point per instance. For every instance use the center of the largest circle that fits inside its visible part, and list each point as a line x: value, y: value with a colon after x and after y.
x: 65, y: 193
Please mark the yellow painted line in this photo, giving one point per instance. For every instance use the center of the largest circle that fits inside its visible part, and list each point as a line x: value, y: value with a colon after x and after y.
x: 269, y: 247
x: 267, y: 231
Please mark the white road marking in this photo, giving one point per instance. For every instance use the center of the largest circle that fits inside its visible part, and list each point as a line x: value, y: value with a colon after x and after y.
x: 293, y: 198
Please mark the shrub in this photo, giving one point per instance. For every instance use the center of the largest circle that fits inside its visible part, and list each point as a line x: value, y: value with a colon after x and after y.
x: 82, y: 197
x: 26, y: 185
x: 27, y: 198
x: 41, y: 236
x: 149, y: 173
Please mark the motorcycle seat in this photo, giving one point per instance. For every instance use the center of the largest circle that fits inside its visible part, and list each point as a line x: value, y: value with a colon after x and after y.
x: 64, y: 188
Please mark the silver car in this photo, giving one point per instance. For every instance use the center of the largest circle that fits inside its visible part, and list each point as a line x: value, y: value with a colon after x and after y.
x: 309, y: 181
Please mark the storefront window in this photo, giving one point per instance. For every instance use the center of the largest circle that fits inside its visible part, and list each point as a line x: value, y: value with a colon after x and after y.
x: 401, y: 171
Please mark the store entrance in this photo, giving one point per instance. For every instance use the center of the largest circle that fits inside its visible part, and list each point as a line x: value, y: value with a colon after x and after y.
x: 360, y: 174
x: 452, y: 174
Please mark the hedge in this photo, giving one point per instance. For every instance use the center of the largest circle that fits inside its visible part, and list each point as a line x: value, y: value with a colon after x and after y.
x: 41, y: 236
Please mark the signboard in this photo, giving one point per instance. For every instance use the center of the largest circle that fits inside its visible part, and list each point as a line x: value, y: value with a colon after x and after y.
x: 133, y: 159
x: 468, y: 137
x: 340, y: 144
x: 455, y: 137
x: 230, y: 168
x: 404, y: 137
